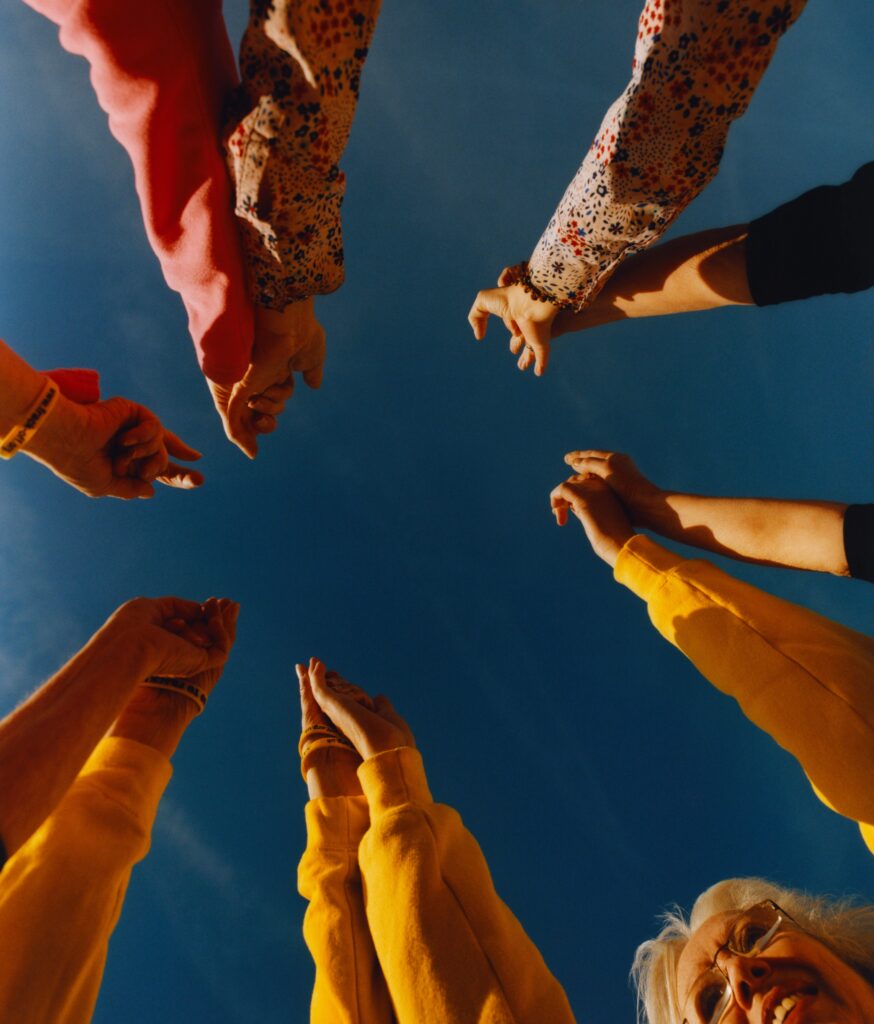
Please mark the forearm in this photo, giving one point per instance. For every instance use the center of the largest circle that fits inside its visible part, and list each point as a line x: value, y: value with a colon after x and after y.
x: 45, y: 742
x: 21, y: 385
x: 695, y: 272
x: 768, y: 531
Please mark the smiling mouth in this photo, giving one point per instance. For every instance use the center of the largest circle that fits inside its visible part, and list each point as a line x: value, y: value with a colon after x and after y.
x: 787, y: 1004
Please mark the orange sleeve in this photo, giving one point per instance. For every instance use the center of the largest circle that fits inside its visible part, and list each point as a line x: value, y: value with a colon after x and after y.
x: 62, y: 892
x: 450, y: 949
x: 349, y: 986
x: 803, y: 679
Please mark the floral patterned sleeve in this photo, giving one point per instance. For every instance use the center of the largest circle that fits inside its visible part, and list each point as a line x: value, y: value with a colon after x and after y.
x: 695, y: 68
x: 300, y: 64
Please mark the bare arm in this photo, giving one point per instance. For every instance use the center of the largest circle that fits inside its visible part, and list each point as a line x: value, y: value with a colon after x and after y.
x: 45, y: 741
x: 769, y: 531
x: 701, y: 271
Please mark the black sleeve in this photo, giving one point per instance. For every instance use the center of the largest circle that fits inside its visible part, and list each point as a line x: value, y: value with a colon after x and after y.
x: 2, y: 854
x: 859, y: 541
x: 817, y: 244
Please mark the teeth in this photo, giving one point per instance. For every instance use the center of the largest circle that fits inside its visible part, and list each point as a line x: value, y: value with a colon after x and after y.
x: 783, y: 1009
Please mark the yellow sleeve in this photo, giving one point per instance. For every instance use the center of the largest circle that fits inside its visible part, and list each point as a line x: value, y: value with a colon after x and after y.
x: 449, y: 948
x: 61, y: 893
x: 805, y: 680
x: 349, y: 986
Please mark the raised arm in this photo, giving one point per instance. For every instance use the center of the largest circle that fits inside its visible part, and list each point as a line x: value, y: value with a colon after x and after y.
x: 769, y: 531
x: 802, y: 678
x: 812, y: 245
x: 62, y: 893
x: 450, y: 949
x: 695, y: 68
x: 45, y: 741
x: 349, y: 985
x: 301, y: 67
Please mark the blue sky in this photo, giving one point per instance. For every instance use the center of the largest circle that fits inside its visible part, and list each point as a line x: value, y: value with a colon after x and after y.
x: 397, y: 523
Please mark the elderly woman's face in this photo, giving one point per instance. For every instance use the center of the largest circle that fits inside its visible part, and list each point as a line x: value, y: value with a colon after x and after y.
x: 796, y: 980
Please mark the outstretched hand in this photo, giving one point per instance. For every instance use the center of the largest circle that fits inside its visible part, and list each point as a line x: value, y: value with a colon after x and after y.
x: 370, y: 729
x: 113, y: 449
x: 528, y: 320
x: 599, y: 511
x: 285, y: 343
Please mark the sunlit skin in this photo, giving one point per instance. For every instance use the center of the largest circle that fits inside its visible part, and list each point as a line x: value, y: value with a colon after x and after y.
x: 770, y: 531
x: 371, y: 724
x: 794, y: 962
x: 701, y: 271
x: 286, y: 343
x: 115, y: 448
x: 47, y: 739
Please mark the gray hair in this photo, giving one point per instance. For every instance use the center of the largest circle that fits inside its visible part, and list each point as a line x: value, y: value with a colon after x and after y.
x: 845, y: 926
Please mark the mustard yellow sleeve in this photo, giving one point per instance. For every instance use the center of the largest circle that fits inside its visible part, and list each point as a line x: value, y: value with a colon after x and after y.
x: 805, y: 680
x: 61, y: 893
x: 349, y: 986
x: 450, y: 949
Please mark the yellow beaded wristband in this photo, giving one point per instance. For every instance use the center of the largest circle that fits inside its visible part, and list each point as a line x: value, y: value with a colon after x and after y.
x: 21, y: 433
x: 319, y: 737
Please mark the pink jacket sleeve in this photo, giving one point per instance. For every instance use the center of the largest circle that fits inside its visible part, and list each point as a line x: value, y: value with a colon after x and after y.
x: 162, y: 71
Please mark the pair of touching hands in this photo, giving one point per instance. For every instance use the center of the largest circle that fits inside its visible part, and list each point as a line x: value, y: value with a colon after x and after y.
x: 370, y: 724
x: 175, y: 638
x: 609, y: 496
x: 285, y: 343
x: 112, y: 449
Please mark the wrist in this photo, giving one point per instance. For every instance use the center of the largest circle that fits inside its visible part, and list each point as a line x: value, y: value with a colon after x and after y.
x: 156, y: 719
x: 333, y: 771
x: 55, y: 441
x: 274, y: 321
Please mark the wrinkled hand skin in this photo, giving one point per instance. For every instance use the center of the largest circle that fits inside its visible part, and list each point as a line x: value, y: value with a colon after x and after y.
x: 115, y: 448
x: 176, y: 637
x: 285, y: 343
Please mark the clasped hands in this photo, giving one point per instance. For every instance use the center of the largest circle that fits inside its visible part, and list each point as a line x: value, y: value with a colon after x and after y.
x: 370, y: 725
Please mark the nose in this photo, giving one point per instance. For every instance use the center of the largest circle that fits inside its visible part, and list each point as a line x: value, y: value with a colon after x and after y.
x: 748, y: 976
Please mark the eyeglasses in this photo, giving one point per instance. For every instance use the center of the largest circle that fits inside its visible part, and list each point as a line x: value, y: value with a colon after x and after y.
x: 751, y: 933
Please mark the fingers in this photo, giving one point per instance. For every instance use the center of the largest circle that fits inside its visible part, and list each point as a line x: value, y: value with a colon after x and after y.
x: 491, y: 301
x: 385, y: 709
x: 525, y: 359
x: 507, y: 275
x: 263, y: 423
x: 130, y: 487
x: 559, y: 503
x: 537, y: 338
x: 313, y: 378
x: 273, y: 399
x: 180, y: 476
x: 344, y: 711
x: 178, y: 448
x: 310, y: 712
x: 145, y: 434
